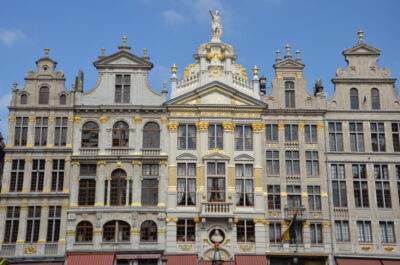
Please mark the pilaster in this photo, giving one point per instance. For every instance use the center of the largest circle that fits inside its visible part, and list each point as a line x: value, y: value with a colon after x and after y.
x: 100, y: 184
x: 6, y: 176
x: 73, y: 201
x: 47, y: 175
x: 44, y: 216
x: 26, y: 187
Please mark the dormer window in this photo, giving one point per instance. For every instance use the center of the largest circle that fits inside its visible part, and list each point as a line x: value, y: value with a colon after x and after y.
x: 63, y: 99
x: 44, y: 95
x: 289, y: 95
x: 122, y: 88
x: 354, y: 102
x: 24, y: 99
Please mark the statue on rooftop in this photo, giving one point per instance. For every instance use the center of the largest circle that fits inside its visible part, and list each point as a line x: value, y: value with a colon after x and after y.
x: 216, y: 26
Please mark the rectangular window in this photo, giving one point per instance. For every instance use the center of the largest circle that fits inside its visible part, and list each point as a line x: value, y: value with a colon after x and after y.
x: 274, y: 197
x: 37, y: 179
x: 17, y: 175
x: 275, y: 233
x: 60, y: 134
x: 292, y: 163
x: 41, y: 131
x: 360, y: 185
x: 87, y: 192
x: 150, y: 170
x: 386, y: 230
x: 12, y: 223
x: 310, y: 133
x: 245, y: 231
x: 378, y: 137
x: 149, y: 192
x: 53, y: 227
x: 297, y: 236
x: 312, y: 164
x: 291, y: 133
x: 396, y: 136
x: 243, y: 138
x: 122, y: 88
x: 356, y: 136
x: 216, y: 182
x: 364, y: 233
x: 272, y: 163
x: 186, y: 190
x: 33, y: 224
x: 335, y: 136
x: 294, y: 196
x: 21, y: 131
x: 244, y: 185
x: 185, y: 230
x: 338, y: 185
x: 271, y: 131
x: 88, y: 170
x: 215, y: 137
x: 57, y: 178
x: 186, y: 137
x: 382, y: 186
x: 316, y: 233
x: 398, y: 180
x: 314, y: 198
x: 342, y: 231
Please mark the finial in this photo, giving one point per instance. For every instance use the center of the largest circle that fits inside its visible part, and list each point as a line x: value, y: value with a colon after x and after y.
x: 360, y: 36
x: 298, y: 59
x: 255, y: 70
x: 46, y: 51
x: 103, y: 50
x: 124, y: 39
x: 164, y: 85
x: 15, y: 84
x: 174, y: 69
x: 287, y: 48
x: 278, y: 56
x: 145, y: 52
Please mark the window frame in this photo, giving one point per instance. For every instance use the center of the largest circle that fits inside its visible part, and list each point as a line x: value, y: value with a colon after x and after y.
x: 314, y: 197
x: 120, y: 134
x: 378, y: 140
x: 274, y: 197
x: 21, y: 131
x: 290, y: 95
x: 316, y: 234
x: 375, y: 99
x: 118, y: 230
x: 244, y: 197
x: 356, y: 132
x: 354, y: 99
x: 396, y: 136
x: 215, y: 137
x: 11, y: 224
x: 17, y: 175
x: 37, y: 175
x: 338, y: 177
x: 58, y: 173
x: 312, y: 163
x: 273, y: 163
x: 85, y: 229
x: 91, y: 135
x: 151, y: 136
x: 44, y: 94
x: 87, y: 192
x: 186, y: 141
x: 53, y: 225
x: 60, y: 131
x: 382, y: 186
x: 271, y: 133
x: 360, y: 185
x: 364, y: 231
x: 275, y: 232
x: 33, y: 224
x: 245, y: 229
x: 384, y: 234
x: 185, y: 230
x: 310, y: 133
x: 291, y: 133
x: 219, y: 177
x: 342, y: 235
x: 148, y: 232
x: 292, y: 163
x: 335, y: 136
x: 188, y: 180
x: 242, y: 141
x: 124, y: 87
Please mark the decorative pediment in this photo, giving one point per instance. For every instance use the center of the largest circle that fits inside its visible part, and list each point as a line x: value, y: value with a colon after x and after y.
x: 362, y: 49
x: 123, y: 59
x: 216, y: 154
x: 186, y: 156
x: 289, y: 64
x: 244, y: 157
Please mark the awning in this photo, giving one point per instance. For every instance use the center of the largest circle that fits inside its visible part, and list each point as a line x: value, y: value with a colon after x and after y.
x: 251, y: 260
x: 92, y: 259
x: 351, y: 261
x: 203, y: 262
x: 139, y: 256
x: 390, y: 262
x: 182, y: 260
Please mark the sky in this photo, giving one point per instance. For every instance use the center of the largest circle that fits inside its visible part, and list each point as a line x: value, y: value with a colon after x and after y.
x: 171, y: 30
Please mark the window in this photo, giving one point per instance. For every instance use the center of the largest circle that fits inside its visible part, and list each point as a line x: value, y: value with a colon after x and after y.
x: 310, y: 133
x: 149, y: 192
x: 215, y: 182
x: 375, y: 101
x: 120, y: 134
x: 275, y: 233
x: 63, y: 99
x: 312, y: 164
x: 185, y: 231
x: 118, y: 187
x: 356, y: 136
x: 84, y: 232
x: 187, y: 137
x: 41, y: 131
x: 274, y: 197
x: 186, y: 192
x: 148, y: 231
x: 364, y: 233
x: 33, y: 224
x: 342, y: 231
x: 338, y: 185
x: 335, y: 136
x: 150, y: 170
x: 243, y: 138
x: 116, y: 231
x: 314, y: 198
x: 12, y: 223
x: 292, y: 163
x: 378, y: 137
x: 37, y: 179
x: 296, y: 235
x: 88, y: 170
x: 44, y: 95
x: 151, y: 135
x: 289, y: 94
x: 122, y: 88
x: 60, y: 135
x: 272, y: 163
x: 382, y: 186
x: 360, y: 185
x: 398, y: 180
x: 354, y: 102
x: 386, y: 230
x: 272, y: 133
x: 24, y: 99
x: 17, y: 175
x: 21, y: 131
x: 215, y: 137
x: 57, y: 180
x: 90, y: 134
x: 53, y: 226
x: 316, y: 233
x: 294, y: 196
x: 291, y: 133
x: 245, y: 231
x: 396, y: 136
x: 87, y: 192
x: 244, y: 185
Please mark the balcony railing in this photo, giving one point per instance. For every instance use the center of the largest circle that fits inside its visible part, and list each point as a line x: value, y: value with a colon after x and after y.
x: 89, y: 151
x: 300, y: 212
x: 217, y: 209
x: 32, y: 249
x: 151, y: 151
x: 119, y: 150
x: 294, y: 145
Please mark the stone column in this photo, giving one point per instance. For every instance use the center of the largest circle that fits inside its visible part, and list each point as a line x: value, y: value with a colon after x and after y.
x: 44, y: 216
x: 63, y: 225
x: 138, y: 129
x: 100, y: 184
x: 258, y: 129
x: 26, y: 187
x: 136, y: 184
x: 103, y: 135
x: 162, y: 194
x: 51, y: 131
x: 202, y: 146
x: 3, y: 215
x: 5, y: 188
x: 108, y: 191
x: 70, y: 130
x: 73, y: 200
x: 23, y: 215
x: 172, y: 168
x: 67, y: 175
x: 128, y: 181
x: 31, y: 131
x: 229, y: 140
x: 47, y: 175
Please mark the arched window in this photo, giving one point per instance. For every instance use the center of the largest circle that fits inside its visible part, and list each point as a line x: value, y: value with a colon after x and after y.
x: 90, y: 134
x: 148, y: 231
x: 84, y: 232
x: 354, y: 102
x: 24, y: 99
x: 151, y: 135
x: 63, y: 99
x: 289, y: 95
x: 44, y: 95
x: 120, y: 134
x: 116, y: 231
x: 375, y: 101
x: 118, y: 187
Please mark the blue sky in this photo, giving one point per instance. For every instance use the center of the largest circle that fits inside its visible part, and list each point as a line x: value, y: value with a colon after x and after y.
x: 171, y: 30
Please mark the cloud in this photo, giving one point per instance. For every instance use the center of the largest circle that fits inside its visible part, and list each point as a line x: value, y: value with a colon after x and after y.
x: 172, y: 17
x: 9, y: 37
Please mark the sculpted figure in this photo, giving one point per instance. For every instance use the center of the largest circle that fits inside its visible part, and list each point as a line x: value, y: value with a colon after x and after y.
x: 216, y: 26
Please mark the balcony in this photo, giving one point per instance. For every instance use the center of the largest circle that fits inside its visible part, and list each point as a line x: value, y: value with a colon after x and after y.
x: 291, y: 211
x: 216, y: 209
x: 32, y: 249
x: 150, y: 151
x: 89, y: 151
x: 119, y: 150
x: 292, y: 145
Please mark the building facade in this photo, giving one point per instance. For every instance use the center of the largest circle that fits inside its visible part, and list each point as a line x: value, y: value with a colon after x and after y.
x: 120, y: 173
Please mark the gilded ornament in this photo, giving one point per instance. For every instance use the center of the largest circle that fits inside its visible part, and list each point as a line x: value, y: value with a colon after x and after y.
x: 281, y: 125
x: 173, y: 125
x: 164, y: 119
x: 258, y: 127
x: 242, y: 69
x: 320, y: 126
x: 67, y: 160
x: 49, y: 160
x: 52, y: 118
x: 71, y: 119
x: 119, y: 164
x: 103, y: 163
x: 186, y: 73
x: 77, y: 119
x: 389, y: 249
x: 27, y: 160
x: 299, y: 75
x: 366, y: 248
x: 228, y: 126
x: 75, y: 163
x: 202, y: 125
x: 255, y: 70
x: 246, y: 247
x: 185, y: 247
x: 30, y: 250
x: 11, y: 118
x: 279, y: 75
x: 163, y: 163
x: 196, y: 220
x: 171, y: 219
x: 300, y: 125
x: 103, y: 119
x: 32, y: 118
x: 136, y: 163
x: 326, y: 224
x: 174, y: 69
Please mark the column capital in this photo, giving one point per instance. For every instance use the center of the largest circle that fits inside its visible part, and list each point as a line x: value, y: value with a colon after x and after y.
x: 101, y: 163
x: 173, y: 125
x: 281, y: 125
x: 103, y: 119
x: 136, y: 163
x: 164, y: 120
x: 202, y: 125
x: 75, y: 163
x: 258, y: 126
x: 26, y: 160
x: 138, y: 119
x: 11, y: 118
x: 52, y: 118
x: 300, y: 125
x: 32, y: 118
x: 229, y: 126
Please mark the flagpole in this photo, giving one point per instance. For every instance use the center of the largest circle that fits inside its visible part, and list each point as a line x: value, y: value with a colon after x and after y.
x: 295, y: 258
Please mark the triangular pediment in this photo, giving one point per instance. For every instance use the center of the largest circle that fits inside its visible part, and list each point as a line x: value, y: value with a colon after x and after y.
x: 186, y: 156
x: 216, y: 154
x: 362, y: 48
x: 123, y: 59
x: 290, y: 64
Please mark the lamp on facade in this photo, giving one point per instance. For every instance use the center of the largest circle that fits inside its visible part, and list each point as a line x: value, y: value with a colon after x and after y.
x: 263, y: 85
